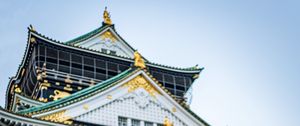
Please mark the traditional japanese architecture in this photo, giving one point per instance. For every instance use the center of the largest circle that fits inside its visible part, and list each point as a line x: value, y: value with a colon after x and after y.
x: 93, y: 80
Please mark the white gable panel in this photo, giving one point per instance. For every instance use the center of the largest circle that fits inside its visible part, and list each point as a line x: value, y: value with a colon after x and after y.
x: 108, y: 40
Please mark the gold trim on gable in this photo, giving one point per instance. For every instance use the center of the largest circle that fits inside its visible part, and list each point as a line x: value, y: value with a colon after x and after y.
x: 141, y: 82
x: 58, y: 117
x: 108, y: 35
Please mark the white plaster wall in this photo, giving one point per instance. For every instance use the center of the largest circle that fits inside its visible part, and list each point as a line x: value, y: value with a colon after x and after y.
x: 130, y: 106
x: 96, y: 43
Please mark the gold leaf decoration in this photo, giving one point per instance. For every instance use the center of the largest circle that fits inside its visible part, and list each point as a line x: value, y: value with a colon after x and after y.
x: 140, y: 82
x: 58, y: 117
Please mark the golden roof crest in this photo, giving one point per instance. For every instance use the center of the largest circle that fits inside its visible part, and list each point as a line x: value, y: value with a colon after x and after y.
x: 106, y: 17
x: 138, y: 60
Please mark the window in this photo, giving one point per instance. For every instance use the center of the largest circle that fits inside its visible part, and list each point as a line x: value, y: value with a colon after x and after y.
x: 135, y: 122
x: 168, y: 78
x: 122, y: 121
x: 104, y: 50
x: 148, y: 124
x: 158, y: 76
x: 51, y: 53
x: 113, y: 52
x: 64, y: 55
x: 100, y: 64
x: 76, y: 58
x: 160, y: 125
x: 88, y: 61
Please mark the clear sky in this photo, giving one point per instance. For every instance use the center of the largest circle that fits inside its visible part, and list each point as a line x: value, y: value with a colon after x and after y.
x: 250, y: 49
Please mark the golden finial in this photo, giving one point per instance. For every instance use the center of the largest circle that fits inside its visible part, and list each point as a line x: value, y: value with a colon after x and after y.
x: 106, y: 17
x: 138, y: 60
x: 167, y: 122
x: 31, y: 28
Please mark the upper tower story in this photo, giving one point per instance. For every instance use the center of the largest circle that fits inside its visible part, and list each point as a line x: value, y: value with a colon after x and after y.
x: 51, y: 70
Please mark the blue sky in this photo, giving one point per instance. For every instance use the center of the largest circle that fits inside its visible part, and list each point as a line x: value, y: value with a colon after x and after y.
x: 250, y: 49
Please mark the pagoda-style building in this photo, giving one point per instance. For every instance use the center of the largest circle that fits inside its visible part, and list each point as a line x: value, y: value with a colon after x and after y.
x: 96, y: 79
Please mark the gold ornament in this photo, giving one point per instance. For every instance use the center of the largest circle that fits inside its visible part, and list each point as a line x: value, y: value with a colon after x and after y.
x: 109, y: 97
x: 85, y: 107
x: 167, y: 122
x: 68, y: 88
x: 18, y: 90
x: 174, y: 109
x: 106, y: 17
x: 138, y: 60
x: 59, y: 94
x: 68, y: 80
x: 140, y: 82
x: 108, y: 35
x: 58, y: 117
x: 43, y: 99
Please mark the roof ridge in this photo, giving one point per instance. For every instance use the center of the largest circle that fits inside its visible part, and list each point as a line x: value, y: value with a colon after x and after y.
x: 71, y: 43
x: 178, y: 68
x: 91, y: 33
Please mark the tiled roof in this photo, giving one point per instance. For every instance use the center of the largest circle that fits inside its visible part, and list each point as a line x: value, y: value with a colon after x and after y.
x: 80, y: 95
x: 98, y: 30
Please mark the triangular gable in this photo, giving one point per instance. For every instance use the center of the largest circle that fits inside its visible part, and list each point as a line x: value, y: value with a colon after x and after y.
x: 104, y: 39
x: 139, y: 85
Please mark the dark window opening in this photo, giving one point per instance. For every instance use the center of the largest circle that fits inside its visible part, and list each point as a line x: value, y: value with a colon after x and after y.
x: 112, y: 52
x: 100, y: 64
x: 51, y: 60
x: 89, y: 61
x: 88, y: 68
x: 76, y: 58
x: 101, y: 71
x: 51, y: 53
x: 65, y: 63
x: 64, y: 55
x: 168, y: 85
x: 75, y: 65
x: 104, y: 50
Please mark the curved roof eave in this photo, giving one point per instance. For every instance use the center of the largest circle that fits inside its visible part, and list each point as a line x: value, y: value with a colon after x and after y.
x: 70, y: 45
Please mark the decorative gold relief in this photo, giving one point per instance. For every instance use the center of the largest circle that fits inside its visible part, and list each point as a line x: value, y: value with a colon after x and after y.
x: 59, y: 94
x: 18, y: 90
x: 138, y: 60
x: 44, y: 88
x: 43, y: 99
x: 108, y: 35
x: 68, y: 88
x: 140, y: 82
x: 167, y: 122
x: 41, y: 73
x: 39, y: 76
x: 86, y: 107
x: 106, y: 17
x: 109, y: 97
x: 32, y: 40
x: 57, y: 83
x: 68, y: 80
x: 92, y: 82
x: 58, y: 117
x: 174, y: 109
x: 45, y: 84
